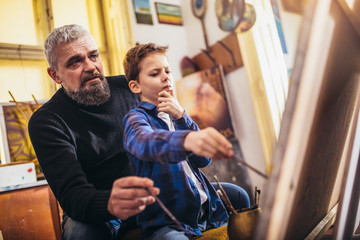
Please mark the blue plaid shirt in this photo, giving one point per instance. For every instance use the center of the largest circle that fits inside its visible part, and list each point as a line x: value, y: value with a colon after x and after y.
x: 157, y: 154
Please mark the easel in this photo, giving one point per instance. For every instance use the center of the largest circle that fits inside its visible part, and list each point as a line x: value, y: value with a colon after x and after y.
x: 30, y: 107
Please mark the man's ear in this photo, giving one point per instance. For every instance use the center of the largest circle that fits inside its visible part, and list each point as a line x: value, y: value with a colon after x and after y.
x: 53, y: 74
x: 134, y: 86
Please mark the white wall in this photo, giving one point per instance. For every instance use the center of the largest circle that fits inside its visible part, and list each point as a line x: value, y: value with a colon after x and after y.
x: 173, y: 36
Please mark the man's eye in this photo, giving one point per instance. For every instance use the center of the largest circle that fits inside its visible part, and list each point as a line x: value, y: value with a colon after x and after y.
x: 93, y: 56
x: 74, y: 62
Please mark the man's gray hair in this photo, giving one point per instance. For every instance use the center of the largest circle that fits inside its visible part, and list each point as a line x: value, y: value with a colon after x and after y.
x: 64, y: 34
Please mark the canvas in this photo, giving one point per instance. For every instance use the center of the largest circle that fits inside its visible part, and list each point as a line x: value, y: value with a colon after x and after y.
x: 202, y: 95
x: 317, y: 132
x: 16, y: 144
x: 169, y: 14
x: 142, y: 12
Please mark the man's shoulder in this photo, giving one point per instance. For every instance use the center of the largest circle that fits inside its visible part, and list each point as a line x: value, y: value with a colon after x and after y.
x: 118, y: 80
x: 52, y: 105
x: 119, y: 85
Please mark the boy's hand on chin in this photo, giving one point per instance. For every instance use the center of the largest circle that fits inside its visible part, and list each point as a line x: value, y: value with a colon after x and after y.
x: 168, y: 103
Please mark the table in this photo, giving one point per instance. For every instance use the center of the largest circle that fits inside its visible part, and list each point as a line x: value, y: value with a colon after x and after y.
x: 29, y: 211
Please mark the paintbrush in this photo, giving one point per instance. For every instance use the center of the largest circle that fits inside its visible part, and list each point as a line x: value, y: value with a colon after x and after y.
x: 166, y: 210
x: 224, y: 197
x: 241, y: 161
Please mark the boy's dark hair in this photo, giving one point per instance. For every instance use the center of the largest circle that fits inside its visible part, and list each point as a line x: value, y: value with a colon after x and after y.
x: 135, y: 55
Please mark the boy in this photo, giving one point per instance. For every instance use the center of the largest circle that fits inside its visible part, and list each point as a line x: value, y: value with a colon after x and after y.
x: 158, y: 138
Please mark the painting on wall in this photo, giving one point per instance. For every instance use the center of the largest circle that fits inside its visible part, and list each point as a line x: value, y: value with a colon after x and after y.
x: 142, y: 12
x: 14, y: 119
x: 169, y: 14
x: 202, y: 95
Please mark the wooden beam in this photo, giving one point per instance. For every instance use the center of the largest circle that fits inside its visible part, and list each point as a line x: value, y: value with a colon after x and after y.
x: 323, y: 225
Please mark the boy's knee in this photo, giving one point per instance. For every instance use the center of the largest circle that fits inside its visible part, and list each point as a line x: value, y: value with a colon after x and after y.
x: 238, y: 197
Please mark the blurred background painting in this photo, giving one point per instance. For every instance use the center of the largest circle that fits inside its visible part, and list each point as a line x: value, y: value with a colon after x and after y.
x: 202, y: 95
x: 17, y: 146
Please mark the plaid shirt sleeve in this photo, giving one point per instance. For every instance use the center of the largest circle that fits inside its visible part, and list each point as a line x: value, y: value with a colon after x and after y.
x: 185, y: 123
x: 151, y: 143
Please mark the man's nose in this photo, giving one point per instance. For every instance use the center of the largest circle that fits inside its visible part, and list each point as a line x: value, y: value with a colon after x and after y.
x: 89, y: 65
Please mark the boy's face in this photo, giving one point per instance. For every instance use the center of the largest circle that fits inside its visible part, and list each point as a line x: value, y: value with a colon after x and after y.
x: 155, y: 76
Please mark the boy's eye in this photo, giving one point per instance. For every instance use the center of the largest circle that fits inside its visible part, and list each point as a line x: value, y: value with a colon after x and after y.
x: 154, y: 74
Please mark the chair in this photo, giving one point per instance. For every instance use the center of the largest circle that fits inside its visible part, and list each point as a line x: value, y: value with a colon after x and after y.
x: 56, y: 215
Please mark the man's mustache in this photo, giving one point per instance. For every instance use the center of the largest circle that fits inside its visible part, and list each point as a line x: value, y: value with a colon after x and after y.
x: 92, y: 76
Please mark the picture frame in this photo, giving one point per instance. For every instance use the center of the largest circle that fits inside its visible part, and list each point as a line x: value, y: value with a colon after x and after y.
x: 16, y: 145
x: 142, y: 12
x: 169, y: 14
x: 15, y: 142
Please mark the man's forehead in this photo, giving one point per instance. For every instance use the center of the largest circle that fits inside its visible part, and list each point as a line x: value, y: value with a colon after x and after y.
x: 81, y: 46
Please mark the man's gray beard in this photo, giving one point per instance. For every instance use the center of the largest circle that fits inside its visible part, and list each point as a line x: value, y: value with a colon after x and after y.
x: 94, y: 96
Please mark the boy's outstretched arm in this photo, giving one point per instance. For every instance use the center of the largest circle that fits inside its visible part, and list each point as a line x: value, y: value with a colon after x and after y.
x: 208, y: 142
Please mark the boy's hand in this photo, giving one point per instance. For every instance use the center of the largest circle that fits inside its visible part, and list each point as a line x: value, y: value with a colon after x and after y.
x: 167, y: 103
x: 209, y: 143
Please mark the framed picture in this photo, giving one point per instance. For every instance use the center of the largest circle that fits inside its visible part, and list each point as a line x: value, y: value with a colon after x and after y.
x: 142, y: 12
x: 169, y: 14
x: 16, y: 145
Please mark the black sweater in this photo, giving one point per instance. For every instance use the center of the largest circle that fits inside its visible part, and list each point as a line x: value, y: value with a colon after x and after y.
x: 80, y: 149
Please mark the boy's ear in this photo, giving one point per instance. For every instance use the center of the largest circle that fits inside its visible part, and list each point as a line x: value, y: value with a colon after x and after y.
x: 53, y: 74
x: 134, y: 86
